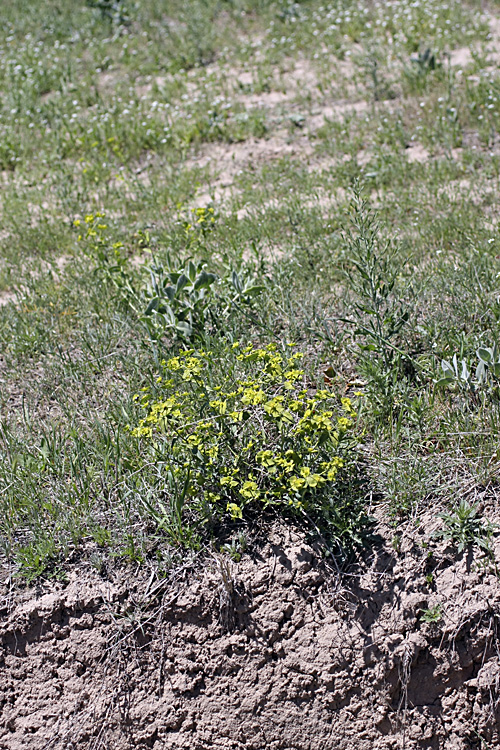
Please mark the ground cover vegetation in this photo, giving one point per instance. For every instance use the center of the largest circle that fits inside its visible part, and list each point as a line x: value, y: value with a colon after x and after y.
x: 248, y: 268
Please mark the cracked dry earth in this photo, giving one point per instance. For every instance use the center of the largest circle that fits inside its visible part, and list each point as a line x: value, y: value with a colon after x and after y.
x: 280, y: 656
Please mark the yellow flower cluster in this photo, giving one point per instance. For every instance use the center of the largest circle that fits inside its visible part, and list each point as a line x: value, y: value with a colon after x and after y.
x: 265, y: 439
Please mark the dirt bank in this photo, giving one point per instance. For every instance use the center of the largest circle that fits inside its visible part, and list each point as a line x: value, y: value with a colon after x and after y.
x: 272, y: 652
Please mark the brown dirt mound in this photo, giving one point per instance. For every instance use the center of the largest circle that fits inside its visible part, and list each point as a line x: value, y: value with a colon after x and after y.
x: 273, y: 652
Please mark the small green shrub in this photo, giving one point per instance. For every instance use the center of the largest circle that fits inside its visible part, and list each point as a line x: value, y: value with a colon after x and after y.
x: 463, y: 527
x: 239, y: 431
x: 422, y: 71
x: 116, y: 11
x: 487, y: 371
x: 112, y: 267
x: 378, y: 311
x: 372, y: 271
x: 187, y: 302
x: 38, y: 558
x: 178, y: 302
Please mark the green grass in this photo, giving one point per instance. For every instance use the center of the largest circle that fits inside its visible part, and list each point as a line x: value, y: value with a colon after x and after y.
x: 275, y: 115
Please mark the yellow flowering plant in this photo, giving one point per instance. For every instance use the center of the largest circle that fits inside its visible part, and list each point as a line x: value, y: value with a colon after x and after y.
x: 250, y: 434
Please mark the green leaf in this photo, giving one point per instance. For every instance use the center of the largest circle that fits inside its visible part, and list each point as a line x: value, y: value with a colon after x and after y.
x: 153, y: 305
x: 169, y: 316
x: 182, y: 281
x: 481, y: 371
x: 485, y: 354
x: 204, y: 280
x: 465, y: 375
x: 445, y: 381
x: 184, y: 328
x: 169, y: 291
x: 448, y: 369
x: 236, y: 281
x: 253, y: 291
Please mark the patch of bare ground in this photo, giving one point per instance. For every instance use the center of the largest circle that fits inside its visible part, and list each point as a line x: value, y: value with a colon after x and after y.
x: 109, y: 79
x: 464, y: 56
x: 336, y: 111
x: 461, y: 57
x: 6, y: 297
x: 293, y: 80
x: 229, y: 160
x: 298, y: 82
x: 35, y: 268
x: 274, y: 651
x: 417, y: 153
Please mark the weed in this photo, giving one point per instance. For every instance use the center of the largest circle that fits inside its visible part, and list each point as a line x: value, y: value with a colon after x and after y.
x: 254, y: 438
x: 179, y: 301
x: 37, y: 559
x: 236, y: 548
x: 433, y: 614
x: 464, y: 528
x: 112, y: 10
x: 372, y: 273
x: 487, y: 370
x: 424, y: 68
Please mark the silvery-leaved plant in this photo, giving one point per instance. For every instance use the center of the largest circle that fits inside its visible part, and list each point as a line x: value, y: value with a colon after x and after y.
x: 459, y: 372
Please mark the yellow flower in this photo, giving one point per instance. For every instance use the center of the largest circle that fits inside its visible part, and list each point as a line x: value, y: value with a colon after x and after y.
x: 249, y: 490
x: 347, y: 406
x: 219, y: 406
x: 343, y: 423
x: 296, y: 483
x: 234, y: 510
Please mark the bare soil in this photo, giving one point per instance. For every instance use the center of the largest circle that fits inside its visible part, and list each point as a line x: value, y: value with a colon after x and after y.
x: 276, y: 651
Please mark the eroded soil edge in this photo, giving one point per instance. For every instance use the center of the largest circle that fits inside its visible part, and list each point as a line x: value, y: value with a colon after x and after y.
x: 282, y: 657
